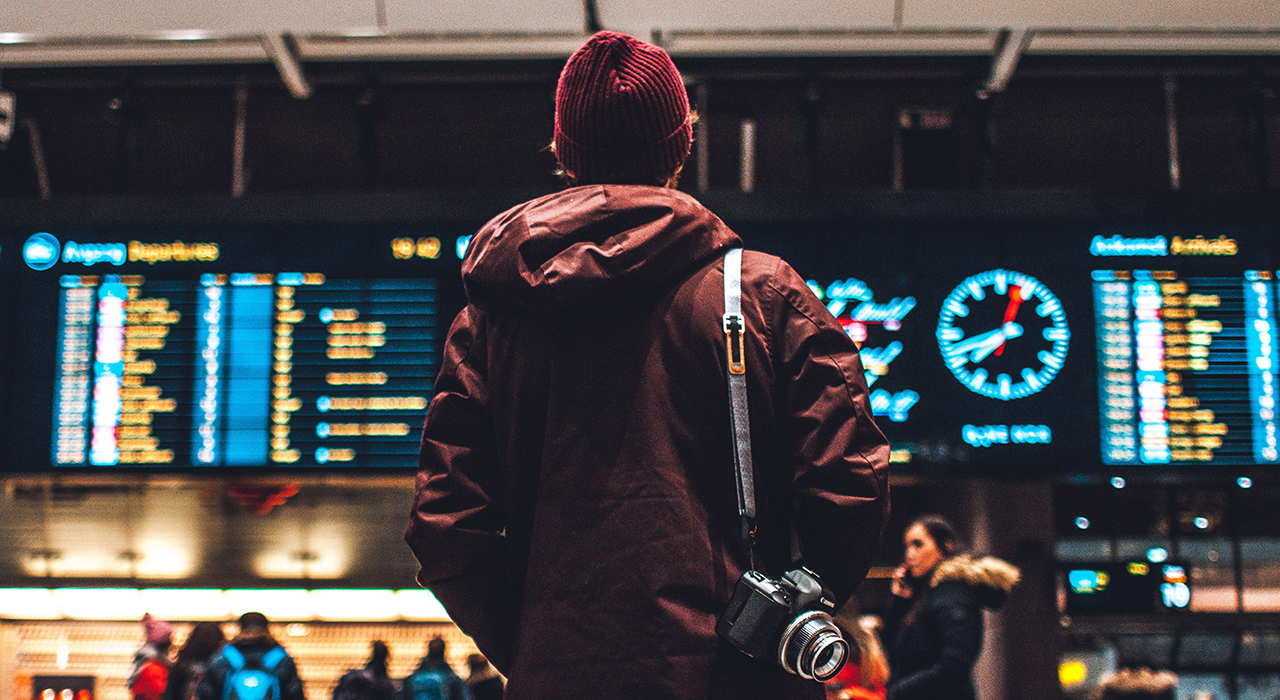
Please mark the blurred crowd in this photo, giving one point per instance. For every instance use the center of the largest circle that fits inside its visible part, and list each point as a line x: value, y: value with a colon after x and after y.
x: 254, y: 666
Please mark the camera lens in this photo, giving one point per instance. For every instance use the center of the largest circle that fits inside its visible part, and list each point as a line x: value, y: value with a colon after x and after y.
x: 829, y: 655
x: 812, y: 647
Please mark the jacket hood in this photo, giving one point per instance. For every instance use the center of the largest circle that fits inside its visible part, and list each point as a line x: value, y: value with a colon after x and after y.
x: 991, y: 578
x: 591, y: 246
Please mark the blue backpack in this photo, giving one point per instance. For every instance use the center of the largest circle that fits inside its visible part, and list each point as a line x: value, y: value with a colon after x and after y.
x: 427, y: 685
x: 244, y: 683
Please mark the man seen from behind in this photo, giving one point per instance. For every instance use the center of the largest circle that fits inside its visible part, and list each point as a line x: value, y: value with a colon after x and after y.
x: 253, y: 666
x: 576, y: 509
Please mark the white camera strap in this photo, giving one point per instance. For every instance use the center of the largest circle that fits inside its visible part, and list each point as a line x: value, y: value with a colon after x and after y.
x: 735, y: 327
x: 735, y: 335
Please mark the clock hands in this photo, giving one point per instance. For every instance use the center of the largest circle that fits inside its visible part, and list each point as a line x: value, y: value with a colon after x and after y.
x: 1011, y: 312
x: 980, y: 346
x: 970, y: 359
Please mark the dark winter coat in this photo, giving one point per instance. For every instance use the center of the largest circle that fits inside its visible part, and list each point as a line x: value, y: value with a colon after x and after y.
x: 576, y: 507
x: 181, y: 677
x: 253, y: 644
x: 936, y: 636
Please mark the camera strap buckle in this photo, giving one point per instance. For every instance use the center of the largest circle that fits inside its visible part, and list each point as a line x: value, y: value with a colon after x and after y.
x: 733, y: 335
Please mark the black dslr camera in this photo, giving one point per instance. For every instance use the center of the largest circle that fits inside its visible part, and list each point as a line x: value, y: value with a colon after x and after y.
x: 788, y: 621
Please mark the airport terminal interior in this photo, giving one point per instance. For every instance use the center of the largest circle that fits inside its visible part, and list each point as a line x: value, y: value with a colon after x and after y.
x: 304, y: 181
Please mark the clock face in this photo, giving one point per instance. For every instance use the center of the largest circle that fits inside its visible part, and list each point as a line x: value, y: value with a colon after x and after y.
x: 1003, y: 334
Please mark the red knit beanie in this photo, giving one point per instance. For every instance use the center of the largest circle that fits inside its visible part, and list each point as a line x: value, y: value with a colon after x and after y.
x: 622, y: 113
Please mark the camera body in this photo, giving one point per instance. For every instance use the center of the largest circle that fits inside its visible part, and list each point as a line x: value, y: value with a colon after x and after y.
x: 787, y: 620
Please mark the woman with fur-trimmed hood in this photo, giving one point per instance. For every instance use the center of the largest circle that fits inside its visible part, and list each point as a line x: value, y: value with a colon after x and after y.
x: 934, y: 631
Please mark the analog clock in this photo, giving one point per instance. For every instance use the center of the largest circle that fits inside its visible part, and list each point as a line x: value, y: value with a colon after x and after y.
x: 1003, y: 334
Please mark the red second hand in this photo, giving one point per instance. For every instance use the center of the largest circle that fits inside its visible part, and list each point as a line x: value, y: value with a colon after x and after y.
x: 1011, y: 312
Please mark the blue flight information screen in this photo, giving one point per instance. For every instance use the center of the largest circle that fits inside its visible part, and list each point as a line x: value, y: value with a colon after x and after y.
x: 1186, y: 367
x: 242, y: 369
x: 175, y: 355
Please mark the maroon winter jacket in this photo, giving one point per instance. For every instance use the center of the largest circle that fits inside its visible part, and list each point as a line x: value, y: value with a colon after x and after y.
x: 576, y: 506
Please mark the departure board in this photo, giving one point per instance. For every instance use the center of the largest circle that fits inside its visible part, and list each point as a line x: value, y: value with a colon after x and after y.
x: 1186, y: 367
x: 242, y: 369
x: 159, y: 354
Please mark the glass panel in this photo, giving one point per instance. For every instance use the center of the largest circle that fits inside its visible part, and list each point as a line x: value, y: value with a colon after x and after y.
x: 1137, y: 549
x: 1084, y: 550
x: 1255, y: 511
x: 1259, y: 550
x: 1205, y: 650
x: 1196, y: 686
x: 1258, y: 687
x: 1205, y: 551
x: 1139, y: 511
x: 1213, y: 589
x: 1260, y: 649
x: 1262, y: 588
x: 1150, y: 650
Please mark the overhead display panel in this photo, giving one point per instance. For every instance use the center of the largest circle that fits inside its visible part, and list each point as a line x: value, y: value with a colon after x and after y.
x: 1039, y: 348
x: 1007, y: 347
x: 220, y: 353
x: 1186, y: 367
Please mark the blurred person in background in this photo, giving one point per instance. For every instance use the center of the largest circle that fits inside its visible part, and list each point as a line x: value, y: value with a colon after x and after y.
x: 371, y: 682
x: 434, y: 679
x: 253, y: 666
x: 934, y: 628
x: 151, y: 662
x: 576, y: 502
x: 1141, y: 684
x: 205, y: 640
x: 484, y: 681
x: 867, y: 670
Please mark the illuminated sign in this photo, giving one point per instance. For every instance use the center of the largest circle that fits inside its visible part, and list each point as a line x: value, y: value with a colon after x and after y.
x: 41, y: 251
x: 1202, y: 246
x: 1088, y: 580
x: 1159, y: 246
x: 1126, y: 588
x: 406, y: 248
x: 1174, y: 592
x: 852, y: 302
x: 90, y: 254
x: 152, y: 253
x: 988, y: 435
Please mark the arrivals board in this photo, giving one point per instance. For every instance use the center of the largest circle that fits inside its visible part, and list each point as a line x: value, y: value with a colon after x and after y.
x: 1186, y: 367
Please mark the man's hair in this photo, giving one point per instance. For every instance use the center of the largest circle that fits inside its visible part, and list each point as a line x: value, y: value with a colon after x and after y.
x: 253, y: 621
x: 435, y: 647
